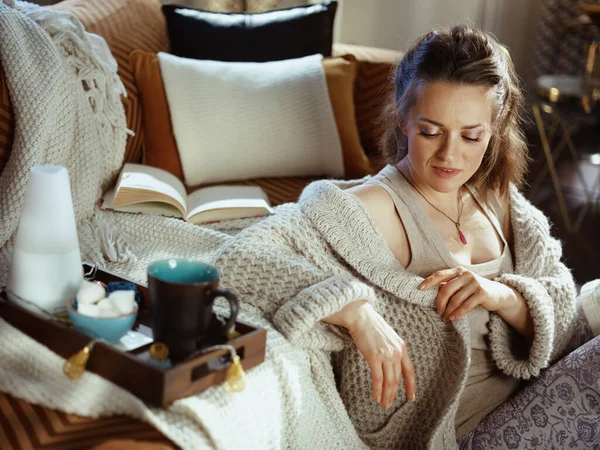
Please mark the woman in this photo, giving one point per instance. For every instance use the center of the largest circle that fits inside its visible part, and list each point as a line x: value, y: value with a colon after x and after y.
x: 436, y: 273
x: 455, y: 146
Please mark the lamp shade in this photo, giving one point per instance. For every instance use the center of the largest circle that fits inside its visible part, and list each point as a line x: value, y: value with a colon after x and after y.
x: 46, y: 266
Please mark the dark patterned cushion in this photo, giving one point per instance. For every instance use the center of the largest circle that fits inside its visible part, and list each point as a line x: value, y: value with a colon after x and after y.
x: 270, y: 36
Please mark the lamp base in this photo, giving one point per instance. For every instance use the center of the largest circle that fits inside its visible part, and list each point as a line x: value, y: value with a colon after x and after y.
x: 44, y: 282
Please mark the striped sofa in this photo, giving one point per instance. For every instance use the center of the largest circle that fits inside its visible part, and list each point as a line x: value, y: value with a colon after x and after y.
x: 127, y: 25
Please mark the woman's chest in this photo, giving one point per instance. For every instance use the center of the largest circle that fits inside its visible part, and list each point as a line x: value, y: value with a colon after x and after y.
x: 481, y: 234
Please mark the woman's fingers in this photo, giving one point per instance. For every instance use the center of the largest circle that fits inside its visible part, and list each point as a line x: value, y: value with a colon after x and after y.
x: 390, y: 385
x: 447, y: 290
x: 397, y: 375
x: 457, y: 300
x: 466, y: 306
x: 440, y: 276
x: 408, y: 373
x: 394, y: 370
x: 377, y: 380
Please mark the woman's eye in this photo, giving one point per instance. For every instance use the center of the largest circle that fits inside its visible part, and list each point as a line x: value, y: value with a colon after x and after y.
x: 466, y: 138
x: 429, y: 135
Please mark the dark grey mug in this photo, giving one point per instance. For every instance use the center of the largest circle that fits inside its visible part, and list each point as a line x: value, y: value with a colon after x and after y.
x: 182, y: 293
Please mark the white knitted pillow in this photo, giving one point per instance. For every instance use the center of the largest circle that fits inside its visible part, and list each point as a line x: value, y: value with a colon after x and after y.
x: 235, y: 121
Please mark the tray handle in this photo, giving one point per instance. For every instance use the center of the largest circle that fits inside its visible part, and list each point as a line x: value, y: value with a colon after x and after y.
x: 215, y: 365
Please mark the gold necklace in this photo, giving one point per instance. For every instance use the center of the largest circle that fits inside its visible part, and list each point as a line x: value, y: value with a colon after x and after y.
x: 456, y: 223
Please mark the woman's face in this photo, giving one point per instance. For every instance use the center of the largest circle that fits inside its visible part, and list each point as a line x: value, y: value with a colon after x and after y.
x: 448, y: 131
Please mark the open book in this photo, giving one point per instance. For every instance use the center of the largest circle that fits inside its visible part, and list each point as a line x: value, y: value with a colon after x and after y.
x: 145, y: 189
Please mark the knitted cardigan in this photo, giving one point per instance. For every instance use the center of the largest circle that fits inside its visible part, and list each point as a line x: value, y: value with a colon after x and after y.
x: 306, y: 263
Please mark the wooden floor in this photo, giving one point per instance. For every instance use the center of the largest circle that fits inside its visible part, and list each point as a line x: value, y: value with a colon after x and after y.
x: 582, y: 248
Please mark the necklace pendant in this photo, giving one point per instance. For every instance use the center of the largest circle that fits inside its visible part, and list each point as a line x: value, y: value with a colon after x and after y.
x: 463, y: 239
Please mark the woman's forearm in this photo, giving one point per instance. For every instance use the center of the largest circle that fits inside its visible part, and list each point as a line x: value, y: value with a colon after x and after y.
x: 517, y: 315
x: 348, y: 314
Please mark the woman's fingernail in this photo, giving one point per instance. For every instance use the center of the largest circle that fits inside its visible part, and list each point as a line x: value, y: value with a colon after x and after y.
x: 378, y: 398
x: 412, y: 397
x: 452, y: 317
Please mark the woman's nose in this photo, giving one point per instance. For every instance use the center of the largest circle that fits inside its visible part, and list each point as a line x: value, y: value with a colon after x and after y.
x: 449, y: 149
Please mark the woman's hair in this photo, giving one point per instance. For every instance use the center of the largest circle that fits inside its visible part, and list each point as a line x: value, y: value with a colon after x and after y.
x: 469, y: 56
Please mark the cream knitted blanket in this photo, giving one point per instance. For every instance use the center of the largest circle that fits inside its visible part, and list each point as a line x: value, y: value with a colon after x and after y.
x: 66, y: 98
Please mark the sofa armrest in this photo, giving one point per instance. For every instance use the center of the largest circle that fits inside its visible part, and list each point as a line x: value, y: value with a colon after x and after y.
x: 369, y: 55
x: 371, y: 89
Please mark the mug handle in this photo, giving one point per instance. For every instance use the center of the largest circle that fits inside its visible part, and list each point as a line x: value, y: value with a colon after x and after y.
x: 233, y: 303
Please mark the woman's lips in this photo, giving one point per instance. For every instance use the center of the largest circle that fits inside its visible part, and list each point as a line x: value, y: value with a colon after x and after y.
x: 446, y: 172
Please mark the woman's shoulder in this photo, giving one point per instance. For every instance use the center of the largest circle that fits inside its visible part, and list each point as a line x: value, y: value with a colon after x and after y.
x: 375, y: 199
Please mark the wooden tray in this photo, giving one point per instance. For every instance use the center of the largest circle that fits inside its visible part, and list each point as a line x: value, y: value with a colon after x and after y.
x: 134, y: 371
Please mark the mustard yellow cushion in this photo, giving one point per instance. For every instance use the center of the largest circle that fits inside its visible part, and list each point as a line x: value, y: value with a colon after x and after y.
x: 160, y: 148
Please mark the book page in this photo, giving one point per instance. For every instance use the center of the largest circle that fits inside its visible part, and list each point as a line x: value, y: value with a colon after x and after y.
x: 138, y: 183
x: 108, y: 198
x: 153, y: 208
x: 217, y: 215
x: 228, y: 198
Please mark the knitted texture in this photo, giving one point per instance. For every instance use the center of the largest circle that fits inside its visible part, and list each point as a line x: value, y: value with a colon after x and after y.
x: 590, y: 304
x: 308, y: 261
x: 548, y: 289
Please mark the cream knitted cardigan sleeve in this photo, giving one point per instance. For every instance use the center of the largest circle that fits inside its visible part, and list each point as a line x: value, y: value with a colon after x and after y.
x: 293, y: 287
x: 548, y: 289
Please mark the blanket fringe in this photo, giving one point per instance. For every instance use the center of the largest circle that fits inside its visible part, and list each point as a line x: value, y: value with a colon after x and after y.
x: 94, y: 66
x: 101, y: 240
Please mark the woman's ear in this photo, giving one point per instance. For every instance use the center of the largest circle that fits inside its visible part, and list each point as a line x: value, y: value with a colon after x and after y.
x: 400, y: 120
x: 402, y: 125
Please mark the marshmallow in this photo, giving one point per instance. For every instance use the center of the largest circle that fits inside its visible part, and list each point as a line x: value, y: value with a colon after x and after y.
x: 90, y: 310
x: 122, y: 301
x: 90, y: 292
x: 106, y: 305
x: 108, y: 312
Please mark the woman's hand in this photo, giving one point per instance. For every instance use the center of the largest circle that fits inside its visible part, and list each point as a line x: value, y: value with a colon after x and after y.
x: 462, y: 290
x: 382, y: 348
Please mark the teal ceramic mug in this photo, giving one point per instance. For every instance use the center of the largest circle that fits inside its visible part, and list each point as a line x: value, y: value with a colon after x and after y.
x: 182, y: 293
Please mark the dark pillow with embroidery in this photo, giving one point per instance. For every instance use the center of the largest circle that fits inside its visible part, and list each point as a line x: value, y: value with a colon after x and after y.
x: 270, y: 36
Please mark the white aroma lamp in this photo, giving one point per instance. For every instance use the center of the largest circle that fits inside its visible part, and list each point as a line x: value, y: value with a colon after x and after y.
x: 46, y: 267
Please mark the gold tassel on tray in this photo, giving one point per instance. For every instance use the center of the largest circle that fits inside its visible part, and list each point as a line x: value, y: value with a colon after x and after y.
x: 235, y: 380
x: 75, y: 365
x: 235, y: 377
